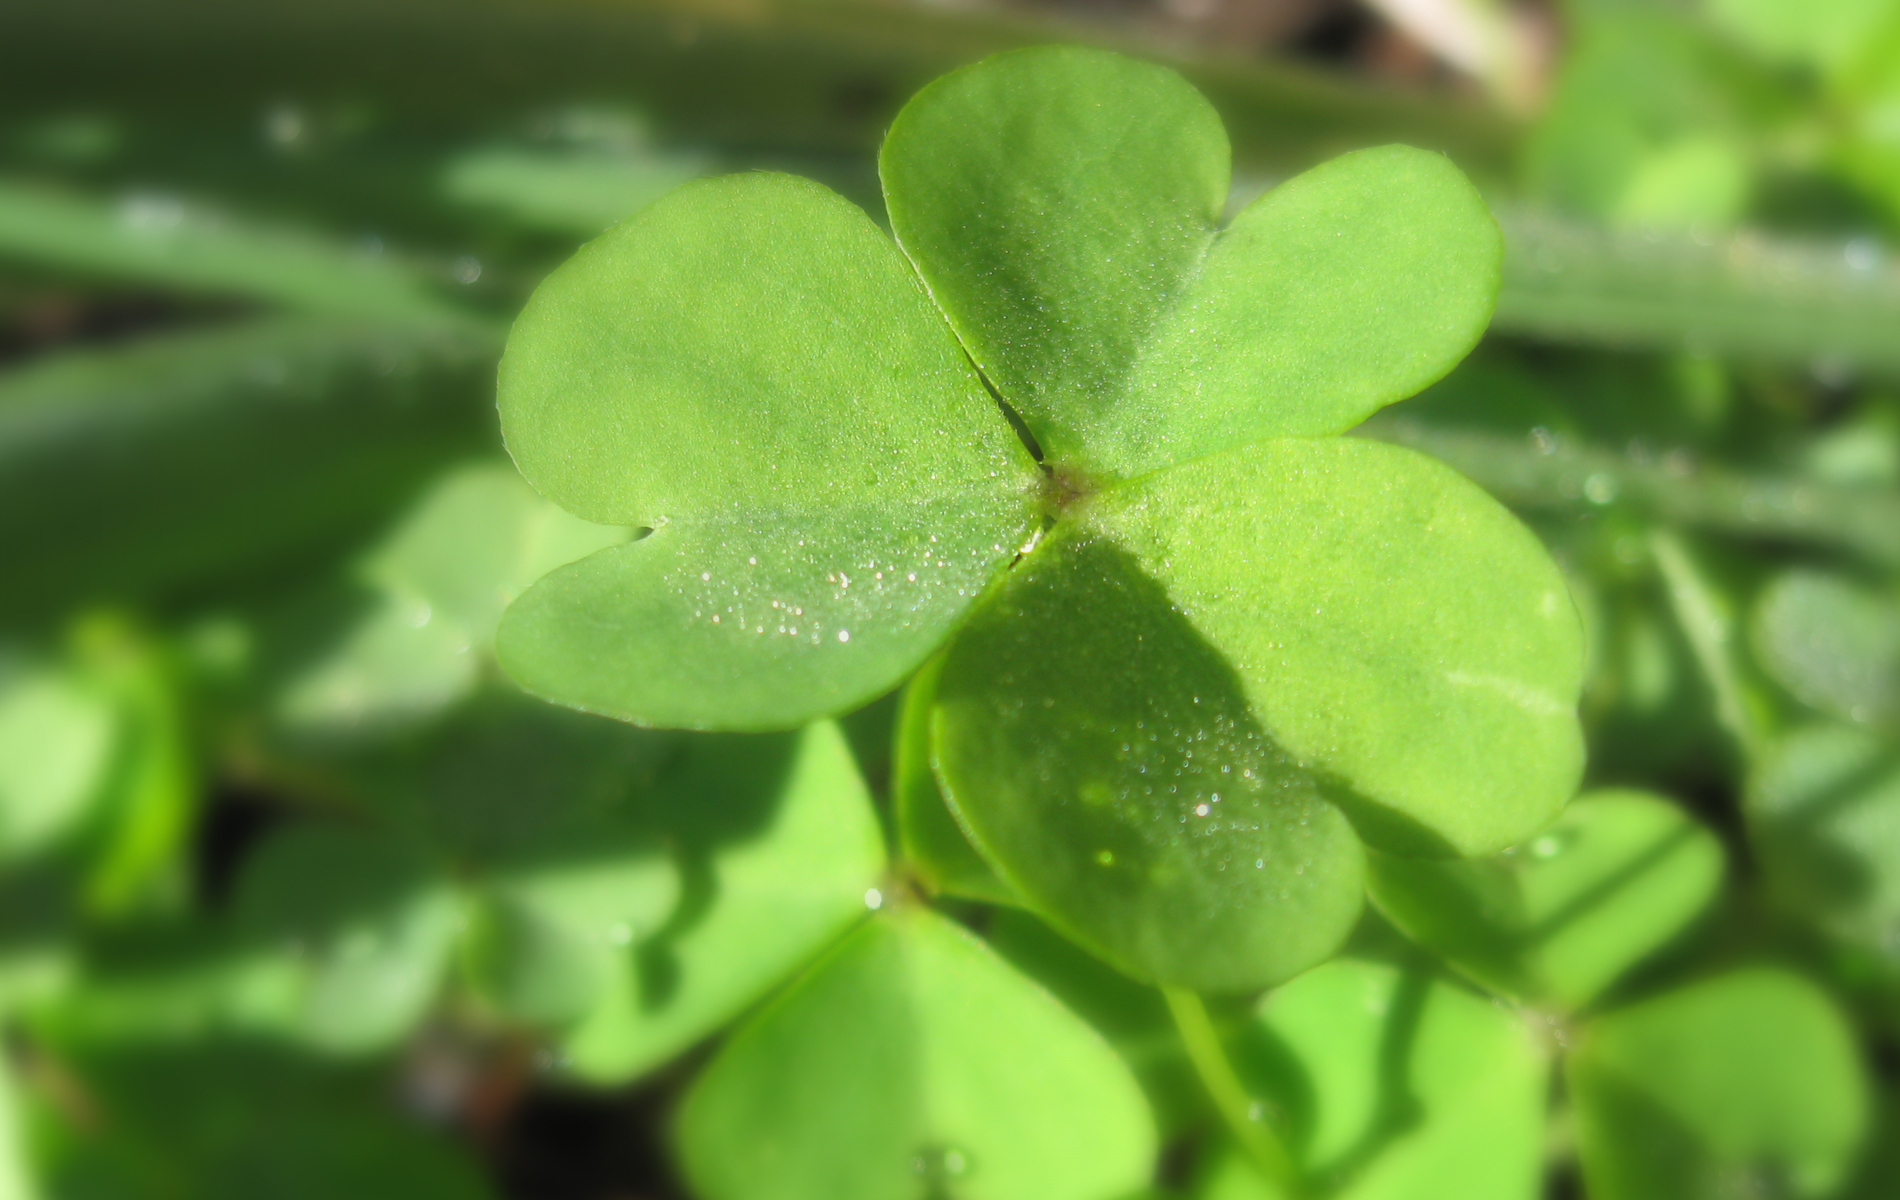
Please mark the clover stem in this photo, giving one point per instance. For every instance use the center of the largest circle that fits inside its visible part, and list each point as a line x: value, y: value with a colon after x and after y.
x: 1243, y: 1114
x: 1710, y: 633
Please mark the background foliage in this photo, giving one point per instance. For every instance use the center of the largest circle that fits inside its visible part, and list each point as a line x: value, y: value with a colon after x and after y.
x: 300, y: 897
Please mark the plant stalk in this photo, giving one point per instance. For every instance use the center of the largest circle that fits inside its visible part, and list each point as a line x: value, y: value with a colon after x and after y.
x: 1710, y: 633
x: 1241, y: 1112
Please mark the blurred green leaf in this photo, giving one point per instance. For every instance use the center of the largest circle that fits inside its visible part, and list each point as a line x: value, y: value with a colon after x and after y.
x: 211, y: 457
x: 1395, y: 1084
x: 544, y: 939
x: 913, y: 1061
x: 380, y: 664
x: 505, y: 779
x: 156, y: 238
x: 896, y: 489
x: 1744, y: 1084
x: 1651, y: 122
x: 1563, y: 916
x: 226, y: 1119
x: 143, y: 829
x: 57, y: 738
x: 17, y: 1179
x: 1833, y: 643
x: 1823, y: 810
x: 1821, y: 33
x: 364, y: 927
x: 778, y: 851
x: 547, y: 811
x: 413, y: 639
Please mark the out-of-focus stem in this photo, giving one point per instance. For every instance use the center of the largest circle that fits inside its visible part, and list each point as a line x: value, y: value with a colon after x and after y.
x: 1242, y: 1113
x: 1711, y: 635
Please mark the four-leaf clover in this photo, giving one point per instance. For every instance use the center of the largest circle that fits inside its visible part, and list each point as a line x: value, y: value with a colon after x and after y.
x: 1073, y: 431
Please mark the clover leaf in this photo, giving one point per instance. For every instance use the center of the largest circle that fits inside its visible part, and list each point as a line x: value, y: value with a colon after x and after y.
x: 1747, y: 1083
x: 895, y: 1067
x: 1564, y: 916
x: 1195, y: 645
x: 1393, y: 1082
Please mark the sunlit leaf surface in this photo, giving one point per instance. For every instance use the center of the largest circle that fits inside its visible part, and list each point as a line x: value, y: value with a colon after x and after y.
x: 1744, y: 1083
x: 778, y: 851
x: 1394, y: 1084
x: 1560, y: 917
x: 1064, y: 207
x: 912, y: 1061
x: 820, y: 519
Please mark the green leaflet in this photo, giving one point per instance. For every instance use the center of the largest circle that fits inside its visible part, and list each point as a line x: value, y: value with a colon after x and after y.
x: 1643, y: 98
x: 1833, y: 643
x: 1159, y: 825
x: 1826, y: 34
x: 1063, y: 205
x: 545, y: 938
x: 778, y: 851
x: 912, y: 1061
x: 410, y: 637
x: 361, y: 925
x: 1746, y: 1083
x: 57, y: 736
x: 1134, y: 1018
x: 1823, y: 809
x: 1395, y: 1084
x: 821, y: 518
x: 935, y: 846
x: 1561, y: 917
x: 733, y: 625
x: 1364, y: 594
x: 1057, y: 202
x: 548, y: 811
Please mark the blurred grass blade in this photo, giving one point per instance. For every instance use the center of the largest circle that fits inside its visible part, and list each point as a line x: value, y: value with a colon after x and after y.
x: 1559, y: 472
x: 138, y: 470
x: 1832, y: 306
x: 806, y: 73
x: 159, y: 239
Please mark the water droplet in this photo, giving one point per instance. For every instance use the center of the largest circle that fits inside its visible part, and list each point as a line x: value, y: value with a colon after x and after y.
x: 1105, y: 858
x: 844, y: 635
x: 1546, y: 847
x: 873, y: 898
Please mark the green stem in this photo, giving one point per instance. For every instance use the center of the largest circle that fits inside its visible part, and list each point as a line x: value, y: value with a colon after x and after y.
x: 1242, y: 1113
x: 1711, y: 639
